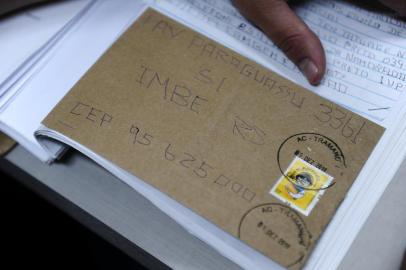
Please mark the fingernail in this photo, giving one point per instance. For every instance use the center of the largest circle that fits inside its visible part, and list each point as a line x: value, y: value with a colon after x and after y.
x: 309, y: 69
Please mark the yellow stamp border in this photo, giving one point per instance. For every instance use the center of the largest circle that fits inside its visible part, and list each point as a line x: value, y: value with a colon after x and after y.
x: 310, y: 197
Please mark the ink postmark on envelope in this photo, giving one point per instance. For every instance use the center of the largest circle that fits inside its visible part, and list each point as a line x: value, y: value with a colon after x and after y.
x: 301, y: 186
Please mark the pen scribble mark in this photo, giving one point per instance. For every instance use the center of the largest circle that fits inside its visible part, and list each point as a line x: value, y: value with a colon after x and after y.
x: 32, y: 16
x: 250, y: 133
x: 65, y: 124
x: 378, y: 109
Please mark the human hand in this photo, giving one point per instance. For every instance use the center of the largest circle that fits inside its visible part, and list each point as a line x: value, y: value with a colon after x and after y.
x: 280, y: 23
x: 292, y: 35
x: 397, y: 5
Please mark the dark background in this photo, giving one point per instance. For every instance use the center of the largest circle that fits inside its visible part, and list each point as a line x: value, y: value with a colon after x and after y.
x: 37, y: 235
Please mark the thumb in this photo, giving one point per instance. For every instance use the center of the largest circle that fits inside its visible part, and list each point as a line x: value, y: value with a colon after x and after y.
x: 398, y: 6
x: 289, y: 33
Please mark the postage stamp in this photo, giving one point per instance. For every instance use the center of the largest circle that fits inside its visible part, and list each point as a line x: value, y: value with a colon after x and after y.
x: 302, y: 186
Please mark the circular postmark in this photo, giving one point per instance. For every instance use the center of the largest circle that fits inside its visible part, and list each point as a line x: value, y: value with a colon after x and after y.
x: 321, y: 152
x: 277, y: 231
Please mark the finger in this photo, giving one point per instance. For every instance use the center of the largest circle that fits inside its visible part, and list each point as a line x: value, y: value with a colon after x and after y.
x: 397, y: 5
x: 289, y: 33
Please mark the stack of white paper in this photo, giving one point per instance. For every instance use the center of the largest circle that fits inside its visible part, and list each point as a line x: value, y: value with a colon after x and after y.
x: 26, y: 97
x: 366, y: 57
x: 26, y: 40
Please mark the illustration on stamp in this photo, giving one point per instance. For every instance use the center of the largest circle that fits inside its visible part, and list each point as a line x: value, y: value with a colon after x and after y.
x: 301, y: 186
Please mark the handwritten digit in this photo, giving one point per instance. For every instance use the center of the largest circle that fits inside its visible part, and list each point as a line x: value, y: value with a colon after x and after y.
x: 327, y: 112
x: 202, y: 171
x: 339, y: 119
x: 190, y: 159
x: 147, y: 138
x: 168, y: 155
x: 347, y: 127
x: 134, y: 130
x: 354, y: 140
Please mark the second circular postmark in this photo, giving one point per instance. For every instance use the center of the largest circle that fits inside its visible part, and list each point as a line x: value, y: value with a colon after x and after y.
x: 277, y: 231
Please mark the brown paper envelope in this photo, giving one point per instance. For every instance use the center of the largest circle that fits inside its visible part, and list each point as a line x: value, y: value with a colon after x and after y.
x: 6, y: 144
x: 262, y: 158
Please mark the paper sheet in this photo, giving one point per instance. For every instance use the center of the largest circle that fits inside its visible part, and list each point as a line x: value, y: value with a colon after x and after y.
x: 21, y: 35
x: 366, y: 50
